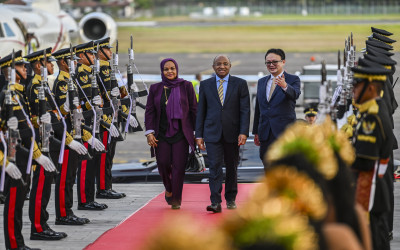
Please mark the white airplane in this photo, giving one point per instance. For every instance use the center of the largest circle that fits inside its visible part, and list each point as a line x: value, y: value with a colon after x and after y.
x: 52, y: 26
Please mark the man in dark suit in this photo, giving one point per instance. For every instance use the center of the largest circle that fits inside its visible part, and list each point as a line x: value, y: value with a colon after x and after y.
x: 275, y: 102
x: 222, y: 122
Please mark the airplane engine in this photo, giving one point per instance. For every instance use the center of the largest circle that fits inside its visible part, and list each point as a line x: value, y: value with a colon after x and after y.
x: 97, y: 25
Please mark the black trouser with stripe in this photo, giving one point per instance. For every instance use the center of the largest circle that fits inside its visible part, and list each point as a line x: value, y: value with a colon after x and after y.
x: 103, y: 173
x: 65, y: 181
x: 86, y: 178
x: 39, y: 198
x: 15, y: 193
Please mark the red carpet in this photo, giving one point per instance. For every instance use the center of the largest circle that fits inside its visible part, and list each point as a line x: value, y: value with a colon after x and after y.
x: 132, y: 232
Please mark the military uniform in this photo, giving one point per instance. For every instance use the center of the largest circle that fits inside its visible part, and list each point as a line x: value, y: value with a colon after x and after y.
x: 14, y: 189
x: 65, y: 180
x: 373, y: 142
x: 42, y: 179
x: 103, y: 175
x: 87, y: 169
x: 378, y: 50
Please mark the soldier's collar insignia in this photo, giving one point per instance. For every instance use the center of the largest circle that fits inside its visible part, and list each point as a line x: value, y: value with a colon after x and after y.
x: 370, y: 106
x: 63, y: 75
x: 368, y: 127
x: 19, y: 87
x: 36, y: 79
x: 104, y: 63
x: 84, y: 67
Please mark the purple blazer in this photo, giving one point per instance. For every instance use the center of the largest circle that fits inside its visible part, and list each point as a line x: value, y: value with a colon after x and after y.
x: 189, y: 109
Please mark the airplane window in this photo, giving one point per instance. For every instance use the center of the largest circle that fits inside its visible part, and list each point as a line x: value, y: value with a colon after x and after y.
x: 1, y: 31
x: 8, y: 30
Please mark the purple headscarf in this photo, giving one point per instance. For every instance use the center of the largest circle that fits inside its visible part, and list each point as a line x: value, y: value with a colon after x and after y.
x: 174, y: 110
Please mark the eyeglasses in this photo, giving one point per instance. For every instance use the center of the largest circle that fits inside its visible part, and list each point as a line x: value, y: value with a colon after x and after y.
x: 273, y: 62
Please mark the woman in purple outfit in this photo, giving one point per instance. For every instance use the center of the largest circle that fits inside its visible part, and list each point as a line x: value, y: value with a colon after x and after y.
x: 170, y: 120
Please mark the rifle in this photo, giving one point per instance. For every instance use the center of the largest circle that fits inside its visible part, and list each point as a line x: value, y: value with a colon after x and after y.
x: 95, y: 92
x: 45, y: 129
x: 133, y: 89
x: 13, y: 136
x: 75, y: 112
x: 115, y: 100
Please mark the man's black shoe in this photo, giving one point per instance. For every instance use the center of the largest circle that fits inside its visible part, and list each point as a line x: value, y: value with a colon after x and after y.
x: 123, y: 194
x: 108, y: 194
x: 64, y: 235
x: 89, y: 206
x: 102, y: 205
x: 69, y: 220
x: 215, y: 207
x: 46, y: 235
x: 231, y: 205
x: 84, y: 220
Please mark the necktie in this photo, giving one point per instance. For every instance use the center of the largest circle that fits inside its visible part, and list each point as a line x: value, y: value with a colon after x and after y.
x: 221, y: 91
x: 272, y: 88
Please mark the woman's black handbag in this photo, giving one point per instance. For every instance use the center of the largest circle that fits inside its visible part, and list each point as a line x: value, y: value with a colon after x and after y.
x: 195, y: 162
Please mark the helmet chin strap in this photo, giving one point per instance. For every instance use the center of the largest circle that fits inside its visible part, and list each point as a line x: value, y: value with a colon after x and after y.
x: 87, y: 57
x: 362, y: 92
x: 19, y: 74
x: 104, y: 53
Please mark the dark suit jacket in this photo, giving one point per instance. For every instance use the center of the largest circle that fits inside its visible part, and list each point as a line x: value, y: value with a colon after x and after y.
x: 189, y: 107
x: 214, y: 120
x: 276, y: 114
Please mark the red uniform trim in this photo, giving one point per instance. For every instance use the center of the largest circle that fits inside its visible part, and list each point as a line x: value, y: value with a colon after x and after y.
x: 103, y: 163
x: 61, y: 194
x: 83, y: 178
x: 11, y: 217
x: 38, y: 201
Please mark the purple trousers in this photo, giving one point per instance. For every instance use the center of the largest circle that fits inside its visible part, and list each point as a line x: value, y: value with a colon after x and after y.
x: 171, y: 163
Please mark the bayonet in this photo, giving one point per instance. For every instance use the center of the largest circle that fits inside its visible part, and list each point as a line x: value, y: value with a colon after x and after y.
x: 45, y: 129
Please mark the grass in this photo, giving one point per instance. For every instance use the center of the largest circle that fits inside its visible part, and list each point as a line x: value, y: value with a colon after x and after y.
x: 277, y: 17
x: 219, y: 39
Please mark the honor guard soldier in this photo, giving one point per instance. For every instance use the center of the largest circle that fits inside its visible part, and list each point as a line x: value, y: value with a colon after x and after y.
x: 42, y: 116
x: 383, y: 57
x: 89, y: 98
x: 310, y: 113
x: 15, y: 113
x: 103, y: 175
x: 76, y: 151
x: 373, y: 142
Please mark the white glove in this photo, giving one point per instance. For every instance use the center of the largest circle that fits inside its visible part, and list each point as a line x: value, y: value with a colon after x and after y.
x: 113, y: 131
x: 13, y: 171
x: 133, y: 122
x: 75, y: 101
x: 46, y: 118
x: 96, y: 100
x: 46, y: 163
x: 98, y: 146
x: 78, y: 147
x: 12, y: 123
x: 115, y: 92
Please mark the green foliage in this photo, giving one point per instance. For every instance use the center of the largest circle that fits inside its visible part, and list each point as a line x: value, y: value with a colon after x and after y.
x: 143, y: 4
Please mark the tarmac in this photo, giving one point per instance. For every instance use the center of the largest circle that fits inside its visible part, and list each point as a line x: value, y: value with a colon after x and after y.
x: 134, y: 148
